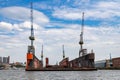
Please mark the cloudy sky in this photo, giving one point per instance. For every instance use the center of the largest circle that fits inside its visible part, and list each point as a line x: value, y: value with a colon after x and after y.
x: 58, y: 22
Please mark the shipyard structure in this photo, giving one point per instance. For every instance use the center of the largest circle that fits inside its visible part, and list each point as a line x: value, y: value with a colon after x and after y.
x: 111, y: 63
x: 84, y: 62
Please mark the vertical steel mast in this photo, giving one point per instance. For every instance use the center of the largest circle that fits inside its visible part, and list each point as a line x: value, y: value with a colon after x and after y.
x: 81, y: 36
x: 32, y: 38
x: 63, y: 52
x: 42, y: 54
x: 110, y: 61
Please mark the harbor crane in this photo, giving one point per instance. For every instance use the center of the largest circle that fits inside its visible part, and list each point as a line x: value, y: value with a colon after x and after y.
x: 81, y: 52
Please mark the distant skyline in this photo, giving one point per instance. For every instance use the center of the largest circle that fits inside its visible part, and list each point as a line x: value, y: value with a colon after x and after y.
x: 58, y: 22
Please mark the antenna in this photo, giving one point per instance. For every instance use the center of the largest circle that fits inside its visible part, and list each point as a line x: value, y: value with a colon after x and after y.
x: 81, y: 36
x: 42, y: 55
x: 110, y: 61
x: 63, y: 52
x: 32, y: 38
x: 42, y: 52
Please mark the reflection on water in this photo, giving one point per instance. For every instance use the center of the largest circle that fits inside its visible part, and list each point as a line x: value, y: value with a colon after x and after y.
x: 59, y: 75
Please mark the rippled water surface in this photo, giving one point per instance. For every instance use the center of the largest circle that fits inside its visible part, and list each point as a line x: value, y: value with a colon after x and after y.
x: 60, y: 75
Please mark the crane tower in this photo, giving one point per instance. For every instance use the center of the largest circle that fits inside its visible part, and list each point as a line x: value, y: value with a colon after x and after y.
x: 81, y: 36
x: 31, y: 49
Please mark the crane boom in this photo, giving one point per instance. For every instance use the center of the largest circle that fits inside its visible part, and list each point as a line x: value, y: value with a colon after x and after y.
x: 32, y: 38
x: 82, y: 23
x: 81, y: 36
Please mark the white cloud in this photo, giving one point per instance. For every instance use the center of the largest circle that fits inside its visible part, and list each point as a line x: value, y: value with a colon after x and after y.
x: 108, y: 5
x: 5, y: 26
x: 103, y: 40
x: 95, y: 38
x: 68, y: 13
x: 103, y: 10
x: 23, y: 14
x: 27, y: 25
x: 53, y: 39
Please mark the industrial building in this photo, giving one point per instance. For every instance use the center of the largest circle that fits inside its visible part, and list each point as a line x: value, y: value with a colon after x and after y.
x: 100, y: 64
x: 108, y: 63
x: 5, y: 60
x: 116, y: 62
x: 0, y: 59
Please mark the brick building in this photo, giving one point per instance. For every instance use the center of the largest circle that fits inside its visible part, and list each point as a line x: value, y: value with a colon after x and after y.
x: 116, y: 62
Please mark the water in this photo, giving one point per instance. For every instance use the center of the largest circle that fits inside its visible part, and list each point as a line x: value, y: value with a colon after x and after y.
x: 60, y: 75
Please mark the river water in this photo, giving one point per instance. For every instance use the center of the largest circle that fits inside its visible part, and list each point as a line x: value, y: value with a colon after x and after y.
x: 59, y: 75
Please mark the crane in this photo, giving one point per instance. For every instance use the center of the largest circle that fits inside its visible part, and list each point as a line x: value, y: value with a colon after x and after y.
x: 32, y: 61
x: 81, y: 36
x: 31, y: 37
x: 31, y: 49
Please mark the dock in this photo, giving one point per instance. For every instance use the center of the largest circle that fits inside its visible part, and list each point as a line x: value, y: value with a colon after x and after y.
x: 84, y: 62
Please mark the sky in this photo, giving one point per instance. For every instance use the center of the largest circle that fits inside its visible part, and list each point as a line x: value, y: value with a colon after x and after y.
x: 57, y: 23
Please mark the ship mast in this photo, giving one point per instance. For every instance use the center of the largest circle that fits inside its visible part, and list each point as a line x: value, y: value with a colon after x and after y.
x: 32, y: 38
x: 81, y: 36
x: 110, y: 61
x: 63, y: 52
x: 42, y: 54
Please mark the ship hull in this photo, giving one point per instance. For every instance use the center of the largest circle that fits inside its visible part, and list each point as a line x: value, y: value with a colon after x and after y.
x: 65, y: 64
x: 63, y: 69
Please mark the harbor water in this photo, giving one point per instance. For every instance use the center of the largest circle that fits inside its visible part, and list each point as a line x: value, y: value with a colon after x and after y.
x: 59, y: 75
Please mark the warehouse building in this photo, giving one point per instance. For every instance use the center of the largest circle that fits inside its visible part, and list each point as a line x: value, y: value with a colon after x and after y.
x: 109, y: 63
